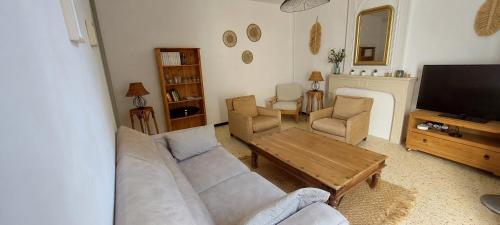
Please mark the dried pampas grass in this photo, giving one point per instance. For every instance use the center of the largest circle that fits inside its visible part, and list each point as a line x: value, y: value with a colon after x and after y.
x: 488, y: 18
x: 315, y: 41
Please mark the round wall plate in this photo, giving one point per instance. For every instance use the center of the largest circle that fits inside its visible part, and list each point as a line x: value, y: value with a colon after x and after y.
x: 247, y: 57
x: 229, y: 38
x: 253, y: 32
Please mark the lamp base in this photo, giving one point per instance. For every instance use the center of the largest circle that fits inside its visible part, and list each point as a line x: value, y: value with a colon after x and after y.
x: 139, y: 101
x: 315, y: 85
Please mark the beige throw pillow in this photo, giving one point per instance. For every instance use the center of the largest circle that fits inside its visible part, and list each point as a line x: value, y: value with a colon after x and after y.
x: 246, y: 106
x: 346, y: 107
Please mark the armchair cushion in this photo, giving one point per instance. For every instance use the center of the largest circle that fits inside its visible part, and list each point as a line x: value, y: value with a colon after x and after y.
x: 262, y: 123
x: 331, y: 126
x: 288, y: 92
x: 246, y: 106
x: 346, y: 107
x: 285, y: 105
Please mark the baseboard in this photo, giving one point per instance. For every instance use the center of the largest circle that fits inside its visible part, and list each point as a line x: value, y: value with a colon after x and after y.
x: 221, y: 124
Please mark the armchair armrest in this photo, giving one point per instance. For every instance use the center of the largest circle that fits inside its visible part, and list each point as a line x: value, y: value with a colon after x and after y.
x: 357, y: 128
x: 324, y: 113
x: 270, y: 102
x: 299, y: 103
x: 240, y: 125
x: 268, y: 112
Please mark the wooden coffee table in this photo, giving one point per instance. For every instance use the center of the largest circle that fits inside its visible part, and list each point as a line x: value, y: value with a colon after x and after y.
x: 319, y: 161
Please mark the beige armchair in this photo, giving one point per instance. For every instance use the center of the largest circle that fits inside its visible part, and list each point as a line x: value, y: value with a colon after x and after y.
x: 348, y: 120
x: 247, y: 120
x: 288, y: 99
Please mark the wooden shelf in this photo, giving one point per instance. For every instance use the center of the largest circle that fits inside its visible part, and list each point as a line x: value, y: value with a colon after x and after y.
x: 490, y: 127
x: 182, y: 65
x: 187, y: 83
x: 186, y: 100
x: 187, y: 117
x: 475, y: 140
x: 191, y: 57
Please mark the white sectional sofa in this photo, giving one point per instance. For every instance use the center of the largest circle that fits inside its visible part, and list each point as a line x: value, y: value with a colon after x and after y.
x: 153, y: 187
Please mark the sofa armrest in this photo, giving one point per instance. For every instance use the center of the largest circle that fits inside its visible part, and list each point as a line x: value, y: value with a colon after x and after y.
x: 240, y: 125
x: 271, y: 101
x: 324, y: 113
x: 357, y: 128
x: 317, y: 214
x: 268, y: 112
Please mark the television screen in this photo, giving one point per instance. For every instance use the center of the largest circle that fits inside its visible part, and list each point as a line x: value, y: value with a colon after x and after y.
x: 466, y: 90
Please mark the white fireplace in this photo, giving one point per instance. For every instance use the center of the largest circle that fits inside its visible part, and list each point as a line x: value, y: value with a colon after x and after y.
x: 392, y: 101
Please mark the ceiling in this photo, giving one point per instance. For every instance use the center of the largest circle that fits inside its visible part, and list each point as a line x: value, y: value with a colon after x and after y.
x: 269, y: 1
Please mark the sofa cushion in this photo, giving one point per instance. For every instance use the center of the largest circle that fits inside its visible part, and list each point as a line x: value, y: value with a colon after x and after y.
x: 238, y: 197
x: 211, y: 168
x: 332, y: 126
x: 286, y: 206
x: 139, y: 145
x: 246, y: 106
x: 193, y: 201
x: 190, y: 142
x: 285, y: 105
x: 263, y: 123
x: 346, y: 107
x: 288, y: 92
x: 317, y: 214
x: 147, y: 194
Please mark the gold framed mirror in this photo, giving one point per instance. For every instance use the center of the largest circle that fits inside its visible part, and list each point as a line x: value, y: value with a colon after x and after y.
x: 373, y: 36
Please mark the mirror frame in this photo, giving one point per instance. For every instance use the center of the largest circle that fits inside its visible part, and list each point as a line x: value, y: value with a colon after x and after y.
x: 388, y: 37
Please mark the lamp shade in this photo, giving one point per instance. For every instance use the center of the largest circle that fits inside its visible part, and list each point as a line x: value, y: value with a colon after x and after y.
x: 136, y: 89
x: 300, y: 5
x: 316, y: 76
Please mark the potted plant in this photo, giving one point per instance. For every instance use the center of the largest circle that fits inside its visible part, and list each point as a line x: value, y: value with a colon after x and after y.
x: 336, y: 57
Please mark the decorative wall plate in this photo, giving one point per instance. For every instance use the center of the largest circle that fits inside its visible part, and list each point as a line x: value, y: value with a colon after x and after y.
x: 229, y: 38
x: 253, y: 32
x: 247, y: 57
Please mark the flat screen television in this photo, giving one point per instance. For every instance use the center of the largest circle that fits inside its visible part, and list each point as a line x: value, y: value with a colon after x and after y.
x: 469, y: 92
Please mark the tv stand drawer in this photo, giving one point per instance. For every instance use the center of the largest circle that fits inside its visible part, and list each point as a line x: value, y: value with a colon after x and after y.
x: 466, y: 154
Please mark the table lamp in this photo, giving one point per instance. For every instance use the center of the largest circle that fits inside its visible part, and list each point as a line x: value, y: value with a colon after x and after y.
x: 315, y: 77
x: 137, y: 90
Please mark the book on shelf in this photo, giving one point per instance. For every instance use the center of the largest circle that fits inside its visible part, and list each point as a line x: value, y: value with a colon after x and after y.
x: 171, y: 58
x: 175, y: 95
x: 169, y: 97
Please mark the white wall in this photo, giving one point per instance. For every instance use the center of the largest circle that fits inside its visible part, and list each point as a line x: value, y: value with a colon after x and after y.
x: 332, y: 17
x: 57, y: 143
x: 424, y: 32
x: 131, y: 29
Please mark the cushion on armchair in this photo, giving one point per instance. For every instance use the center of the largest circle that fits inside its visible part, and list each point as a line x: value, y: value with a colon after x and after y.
x: 288, y: 92
x: 246, y: 106
x: 346, y: 107
x: 285, y: 105
x: 331, y: 125
x: 262, y: 123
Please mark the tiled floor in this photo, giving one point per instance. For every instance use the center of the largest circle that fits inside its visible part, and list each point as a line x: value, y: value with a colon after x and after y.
x: 447, y: 192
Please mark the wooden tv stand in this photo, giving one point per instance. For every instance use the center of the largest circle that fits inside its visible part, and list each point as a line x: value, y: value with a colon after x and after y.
x: 478, y: 147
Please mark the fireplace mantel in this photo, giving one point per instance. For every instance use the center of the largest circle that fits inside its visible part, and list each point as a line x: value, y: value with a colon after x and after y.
x: 400, y: 88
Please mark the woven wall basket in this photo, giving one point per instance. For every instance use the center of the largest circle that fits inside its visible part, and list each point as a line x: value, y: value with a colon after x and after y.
x: 229, y: 38
x: 247, y: 57
x: 253, y: 32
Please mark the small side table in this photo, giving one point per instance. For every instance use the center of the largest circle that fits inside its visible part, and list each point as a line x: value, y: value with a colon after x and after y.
x: 143, y: 114
x: 311, y: 95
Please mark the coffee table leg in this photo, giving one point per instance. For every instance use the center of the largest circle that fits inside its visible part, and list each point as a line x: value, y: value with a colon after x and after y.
x: 254, y: 160
x: 374, y: 181
x: 334, y: 200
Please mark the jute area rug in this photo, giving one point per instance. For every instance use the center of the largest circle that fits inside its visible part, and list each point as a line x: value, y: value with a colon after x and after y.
x: 386, y: 204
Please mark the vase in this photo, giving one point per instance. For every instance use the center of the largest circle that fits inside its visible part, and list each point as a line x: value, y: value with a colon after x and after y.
x: 336, y: 68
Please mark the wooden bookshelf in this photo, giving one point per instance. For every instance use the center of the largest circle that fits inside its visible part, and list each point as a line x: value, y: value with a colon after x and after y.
x: 189, y: 73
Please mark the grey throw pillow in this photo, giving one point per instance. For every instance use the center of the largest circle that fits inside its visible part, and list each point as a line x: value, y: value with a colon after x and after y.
x: 190, y: 142
x: 286, y: 206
